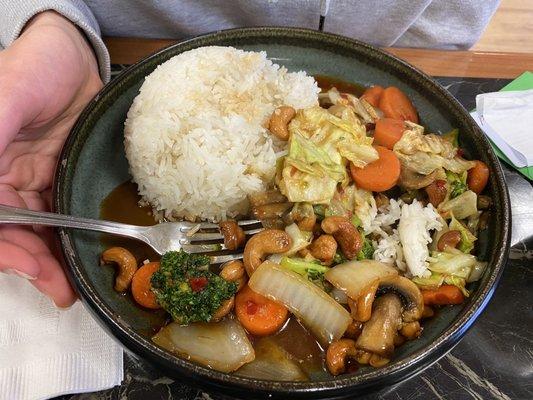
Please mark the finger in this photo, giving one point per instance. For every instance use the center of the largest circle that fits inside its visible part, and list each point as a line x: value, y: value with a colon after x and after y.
x: 53, y: 282
x: 17, y: 260
x: 27, y: 255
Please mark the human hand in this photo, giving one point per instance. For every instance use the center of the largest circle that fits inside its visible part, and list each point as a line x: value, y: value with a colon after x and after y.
x: 47, y: 77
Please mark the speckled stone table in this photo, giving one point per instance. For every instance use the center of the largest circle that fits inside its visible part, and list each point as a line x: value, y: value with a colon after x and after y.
x: 493, y: 361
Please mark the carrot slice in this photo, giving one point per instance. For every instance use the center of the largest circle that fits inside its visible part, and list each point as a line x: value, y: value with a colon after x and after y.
x: 373, y: 94
x: 478, y: 177
x: 141, y: 286
x: 446, y: 294
x: 259, y: 315
x: 388, y: 131
x: 379, y: 175
x: 395, y: 104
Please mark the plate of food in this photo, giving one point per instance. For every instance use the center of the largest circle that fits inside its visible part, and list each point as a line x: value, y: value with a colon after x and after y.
x: 344, y: 221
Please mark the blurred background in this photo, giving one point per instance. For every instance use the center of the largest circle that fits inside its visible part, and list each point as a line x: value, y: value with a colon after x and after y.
x: 511, y: 28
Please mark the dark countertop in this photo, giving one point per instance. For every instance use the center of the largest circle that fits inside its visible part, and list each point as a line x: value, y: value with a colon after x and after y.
x: 493, y: 361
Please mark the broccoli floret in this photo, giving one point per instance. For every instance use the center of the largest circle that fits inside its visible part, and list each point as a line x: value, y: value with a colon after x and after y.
x: 457, y: 183
x: 312, y: 270
x: 186, y: 288
x: 367, y: 251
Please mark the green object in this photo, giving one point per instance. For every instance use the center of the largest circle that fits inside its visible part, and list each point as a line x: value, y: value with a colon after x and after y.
x: 466, y: 245
x: 314, y: 271
x: 457, y: 183
x: 186, y: 288
x: 367, y: 251
x: 523, y: 82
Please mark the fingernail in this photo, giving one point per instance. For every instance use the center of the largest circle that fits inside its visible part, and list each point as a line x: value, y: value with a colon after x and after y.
x: 63, y: 308
x: 12, y: 271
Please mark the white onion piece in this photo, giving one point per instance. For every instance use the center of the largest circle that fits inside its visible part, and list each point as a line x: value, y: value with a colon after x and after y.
x: 353, y: 276
x: 272, y: 363
x: 299, y: 239
x: 222, y: 346
x: 326, y: 318
x: 477, y: 271
x: 339, y: 296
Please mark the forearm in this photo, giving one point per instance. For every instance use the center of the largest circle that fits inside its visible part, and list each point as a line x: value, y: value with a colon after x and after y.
x: 15, y: 15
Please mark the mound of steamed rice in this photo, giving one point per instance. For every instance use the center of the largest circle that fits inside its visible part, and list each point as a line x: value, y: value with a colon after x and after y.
x: 195, y: 136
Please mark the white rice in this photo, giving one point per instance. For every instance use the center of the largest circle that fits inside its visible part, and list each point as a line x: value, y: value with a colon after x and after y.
x: 407, y: 246
x: 195, y: 137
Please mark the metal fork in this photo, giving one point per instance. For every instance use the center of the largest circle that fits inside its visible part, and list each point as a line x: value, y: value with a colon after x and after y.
x: 163, y: 237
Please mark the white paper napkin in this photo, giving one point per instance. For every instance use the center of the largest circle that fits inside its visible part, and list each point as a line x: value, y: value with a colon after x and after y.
x: 46, y: 352
x: 507, y: 118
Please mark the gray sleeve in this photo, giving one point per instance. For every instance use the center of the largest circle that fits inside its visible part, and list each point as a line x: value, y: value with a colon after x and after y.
x: 14, y: 14
x: 449, y: 24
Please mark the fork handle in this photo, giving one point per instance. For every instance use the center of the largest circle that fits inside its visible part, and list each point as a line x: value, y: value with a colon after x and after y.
x: 21, y: 216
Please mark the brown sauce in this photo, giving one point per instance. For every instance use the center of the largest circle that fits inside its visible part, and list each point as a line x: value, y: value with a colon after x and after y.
x: 122, y: 205
x: 327, y: 82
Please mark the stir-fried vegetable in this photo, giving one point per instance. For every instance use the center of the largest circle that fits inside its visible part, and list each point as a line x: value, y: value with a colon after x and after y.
x: 457, y: 183
x: 223, y: 346
x: 388, y: 132
x: 313, y: 271
x: 258, y: 314
x: 326, y: 318
x: 272, y: 363
x: 426, y: 153
x: 379, y: 175
x: 461, y: 206
x: 299, y: 239
x: 187, y: 290
x: 478, y: 176
x: 354, y: 276
x: 395, y: 104
x: 467, y: 238
x: 319, y: 141
x: 444, y: 295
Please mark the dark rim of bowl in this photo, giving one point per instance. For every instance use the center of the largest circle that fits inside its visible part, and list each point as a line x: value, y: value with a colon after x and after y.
x: 394, y: 371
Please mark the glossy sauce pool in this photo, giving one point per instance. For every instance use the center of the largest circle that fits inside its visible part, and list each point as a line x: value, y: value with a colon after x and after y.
x: 122, y: 205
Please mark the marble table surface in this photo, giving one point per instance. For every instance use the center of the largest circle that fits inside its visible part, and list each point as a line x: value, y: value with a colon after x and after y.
x: 493, y: 361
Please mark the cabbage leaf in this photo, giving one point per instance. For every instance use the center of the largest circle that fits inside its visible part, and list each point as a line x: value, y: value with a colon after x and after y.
x: 466, y: 245
x: 461, y: 206
x: 320, y: 146
x: 425, y: 153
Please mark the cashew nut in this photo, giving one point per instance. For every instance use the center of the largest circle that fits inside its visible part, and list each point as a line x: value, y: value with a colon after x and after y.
x: 127, y: 266
x: 224, y: 309
x: 411, y: 330
x: 365, y: 301
x: 363, y: 357
x: 378, y: 361
x: 337, y: 353
x: 324, y: 248
x: 234, y: 236
x: 233, y: 271
x: 279, y: 121
x: 346, y: 235
x: 449, y: 239
x: 269, y: 241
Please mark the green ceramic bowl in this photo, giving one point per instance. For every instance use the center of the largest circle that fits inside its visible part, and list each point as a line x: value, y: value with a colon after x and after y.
x: 93, y: 163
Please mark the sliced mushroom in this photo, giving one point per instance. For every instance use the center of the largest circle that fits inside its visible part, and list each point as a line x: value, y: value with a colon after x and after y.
x: 379, y: 332
x: 412, y: 180
x: 408, y: 293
